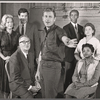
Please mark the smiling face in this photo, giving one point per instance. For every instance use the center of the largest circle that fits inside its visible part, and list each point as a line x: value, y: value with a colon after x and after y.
x: 23, y: 17
x: 87, y: 52
x: 74, y: 16
x: 88, y: 31
x: 48, y: 18
x: 9, y: 23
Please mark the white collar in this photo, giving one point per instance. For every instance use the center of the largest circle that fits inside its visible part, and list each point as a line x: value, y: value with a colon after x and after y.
x: 21, y: 24
x: 25, y: 54
x: 73, y: 24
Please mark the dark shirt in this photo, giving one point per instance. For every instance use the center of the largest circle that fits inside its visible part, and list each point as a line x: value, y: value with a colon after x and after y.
x: 52, y: 47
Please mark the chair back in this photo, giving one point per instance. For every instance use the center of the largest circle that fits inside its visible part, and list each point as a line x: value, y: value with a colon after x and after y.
x: 7, y: 71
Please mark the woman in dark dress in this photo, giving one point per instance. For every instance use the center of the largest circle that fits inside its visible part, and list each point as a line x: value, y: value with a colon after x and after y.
x: 8, y: 45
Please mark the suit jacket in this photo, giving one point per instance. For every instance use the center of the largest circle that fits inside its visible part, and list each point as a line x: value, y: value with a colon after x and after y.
x: 21, y: 73
x: 32, y: 33
x: 70, y: 32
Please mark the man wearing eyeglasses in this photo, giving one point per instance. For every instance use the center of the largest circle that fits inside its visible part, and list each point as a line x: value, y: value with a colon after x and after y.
x: 21, y: 70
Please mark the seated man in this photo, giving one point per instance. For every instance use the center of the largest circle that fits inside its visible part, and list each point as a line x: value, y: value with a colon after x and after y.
x: 21, y: 71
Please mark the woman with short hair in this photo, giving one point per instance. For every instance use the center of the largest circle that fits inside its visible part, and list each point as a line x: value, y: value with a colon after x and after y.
x: 8, y: 45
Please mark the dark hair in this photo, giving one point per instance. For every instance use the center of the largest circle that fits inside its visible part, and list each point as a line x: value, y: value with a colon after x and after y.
x: 91, y: 25
x: 88, y: 45
x: 22, y: 10
x: 50, y: 10
x: 74, y: 11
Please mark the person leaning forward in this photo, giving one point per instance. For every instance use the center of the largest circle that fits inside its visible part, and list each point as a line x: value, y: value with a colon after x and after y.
x: 21, y: 70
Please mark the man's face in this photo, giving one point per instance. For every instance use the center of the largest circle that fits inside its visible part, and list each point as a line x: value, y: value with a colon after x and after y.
x: 24, y: 44
x: 87, y: 52
x: 23, y: 17
x: 48, y: 19
x: 73, y: 17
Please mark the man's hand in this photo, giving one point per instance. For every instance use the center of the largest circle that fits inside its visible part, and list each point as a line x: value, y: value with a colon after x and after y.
x: 65, y: 40
x: 72, y: 43
x: 7, y: 58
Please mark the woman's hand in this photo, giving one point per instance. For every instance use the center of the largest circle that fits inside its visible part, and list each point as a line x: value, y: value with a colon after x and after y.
x: 37, y: 76
x: 78, y: 85
x: 7, y: 58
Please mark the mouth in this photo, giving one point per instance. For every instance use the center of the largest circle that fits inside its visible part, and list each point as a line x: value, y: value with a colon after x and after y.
x: 47, y: 22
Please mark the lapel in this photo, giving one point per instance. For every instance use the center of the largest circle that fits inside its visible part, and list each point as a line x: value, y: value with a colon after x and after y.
x: 23, y: 59
x: 28, y: 29
x: 73, y: 34
x: 18, y: 30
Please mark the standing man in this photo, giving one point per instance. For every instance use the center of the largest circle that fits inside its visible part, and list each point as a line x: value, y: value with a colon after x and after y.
x: 31, y: 31
x: 21, y: 71
x: 73, y: 31
x: 51, y: 56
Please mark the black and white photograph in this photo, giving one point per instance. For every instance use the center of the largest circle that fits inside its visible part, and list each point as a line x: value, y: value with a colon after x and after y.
x: 49, y: 49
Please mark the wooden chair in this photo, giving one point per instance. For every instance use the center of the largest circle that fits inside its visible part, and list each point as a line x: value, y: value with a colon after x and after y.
x: 7, y: 71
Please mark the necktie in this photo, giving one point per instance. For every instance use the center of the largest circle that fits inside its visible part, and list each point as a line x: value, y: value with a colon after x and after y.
x: 76, y: 31
x: 22, y: 31
x: 27, y: 58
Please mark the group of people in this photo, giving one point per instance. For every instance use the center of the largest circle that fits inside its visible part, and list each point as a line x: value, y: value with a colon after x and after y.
x: 65, y: 62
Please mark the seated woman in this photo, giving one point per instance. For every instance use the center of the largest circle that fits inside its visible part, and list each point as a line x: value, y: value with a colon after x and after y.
x: 86, y: 75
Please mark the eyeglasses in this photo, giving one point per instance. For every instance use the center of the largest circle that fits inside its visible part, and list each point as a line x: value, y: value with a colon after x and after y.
x: 24, y: 42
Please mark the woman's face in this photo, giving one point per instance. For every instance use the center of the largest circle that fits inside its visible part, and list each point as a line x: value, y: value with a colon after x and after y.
x: 9, y: 23
x: 88, y: 31
x: 87, y: 52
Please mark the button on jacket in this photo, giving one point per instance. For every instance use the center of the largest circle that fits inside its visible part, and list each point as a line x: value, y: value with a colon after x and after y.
x: 52, y: 46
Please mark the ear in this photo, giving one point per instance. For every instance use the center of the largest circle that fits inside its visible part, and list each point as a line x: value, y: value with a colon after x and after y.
x: 18, y: 16
x: 55, y: 19
x: 42, y: 18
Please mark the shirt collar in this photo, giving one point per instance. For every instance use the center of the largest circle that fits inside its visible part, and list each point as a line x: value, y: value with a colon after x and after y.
x: 73, y: 24
x: 51, y: 28
x: 21, y: 24
x: 25, y: 54
x: 91, y: 60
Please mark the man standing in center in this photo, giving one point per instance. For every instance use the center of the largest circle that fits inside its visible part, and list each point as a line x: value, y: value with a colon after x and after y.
x: 51, y: 56
x: 31, y: 30
x: 73, y: 31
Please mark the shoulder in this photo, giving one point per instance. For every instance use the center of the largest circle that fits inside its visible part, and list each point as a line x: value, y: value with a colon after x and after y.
x: 80, y: 26
x: 32, y: 25
x: 95, y: 39
x: 68, y: 25
x: 81, y: 61
x: 58, y: 29
x: 82, y: 40
x: 14, y: 57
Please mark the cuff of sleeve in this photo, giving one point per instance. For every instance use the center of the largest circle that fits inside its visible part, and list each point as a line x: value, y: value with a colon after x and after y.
x: 30, y: 87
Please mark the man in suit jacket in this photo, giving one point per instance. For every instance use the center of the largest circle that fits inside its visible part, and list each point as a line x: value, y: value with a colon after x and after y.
x: 31, y: 31
x: 74, y: 31
x: 21, y: 70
